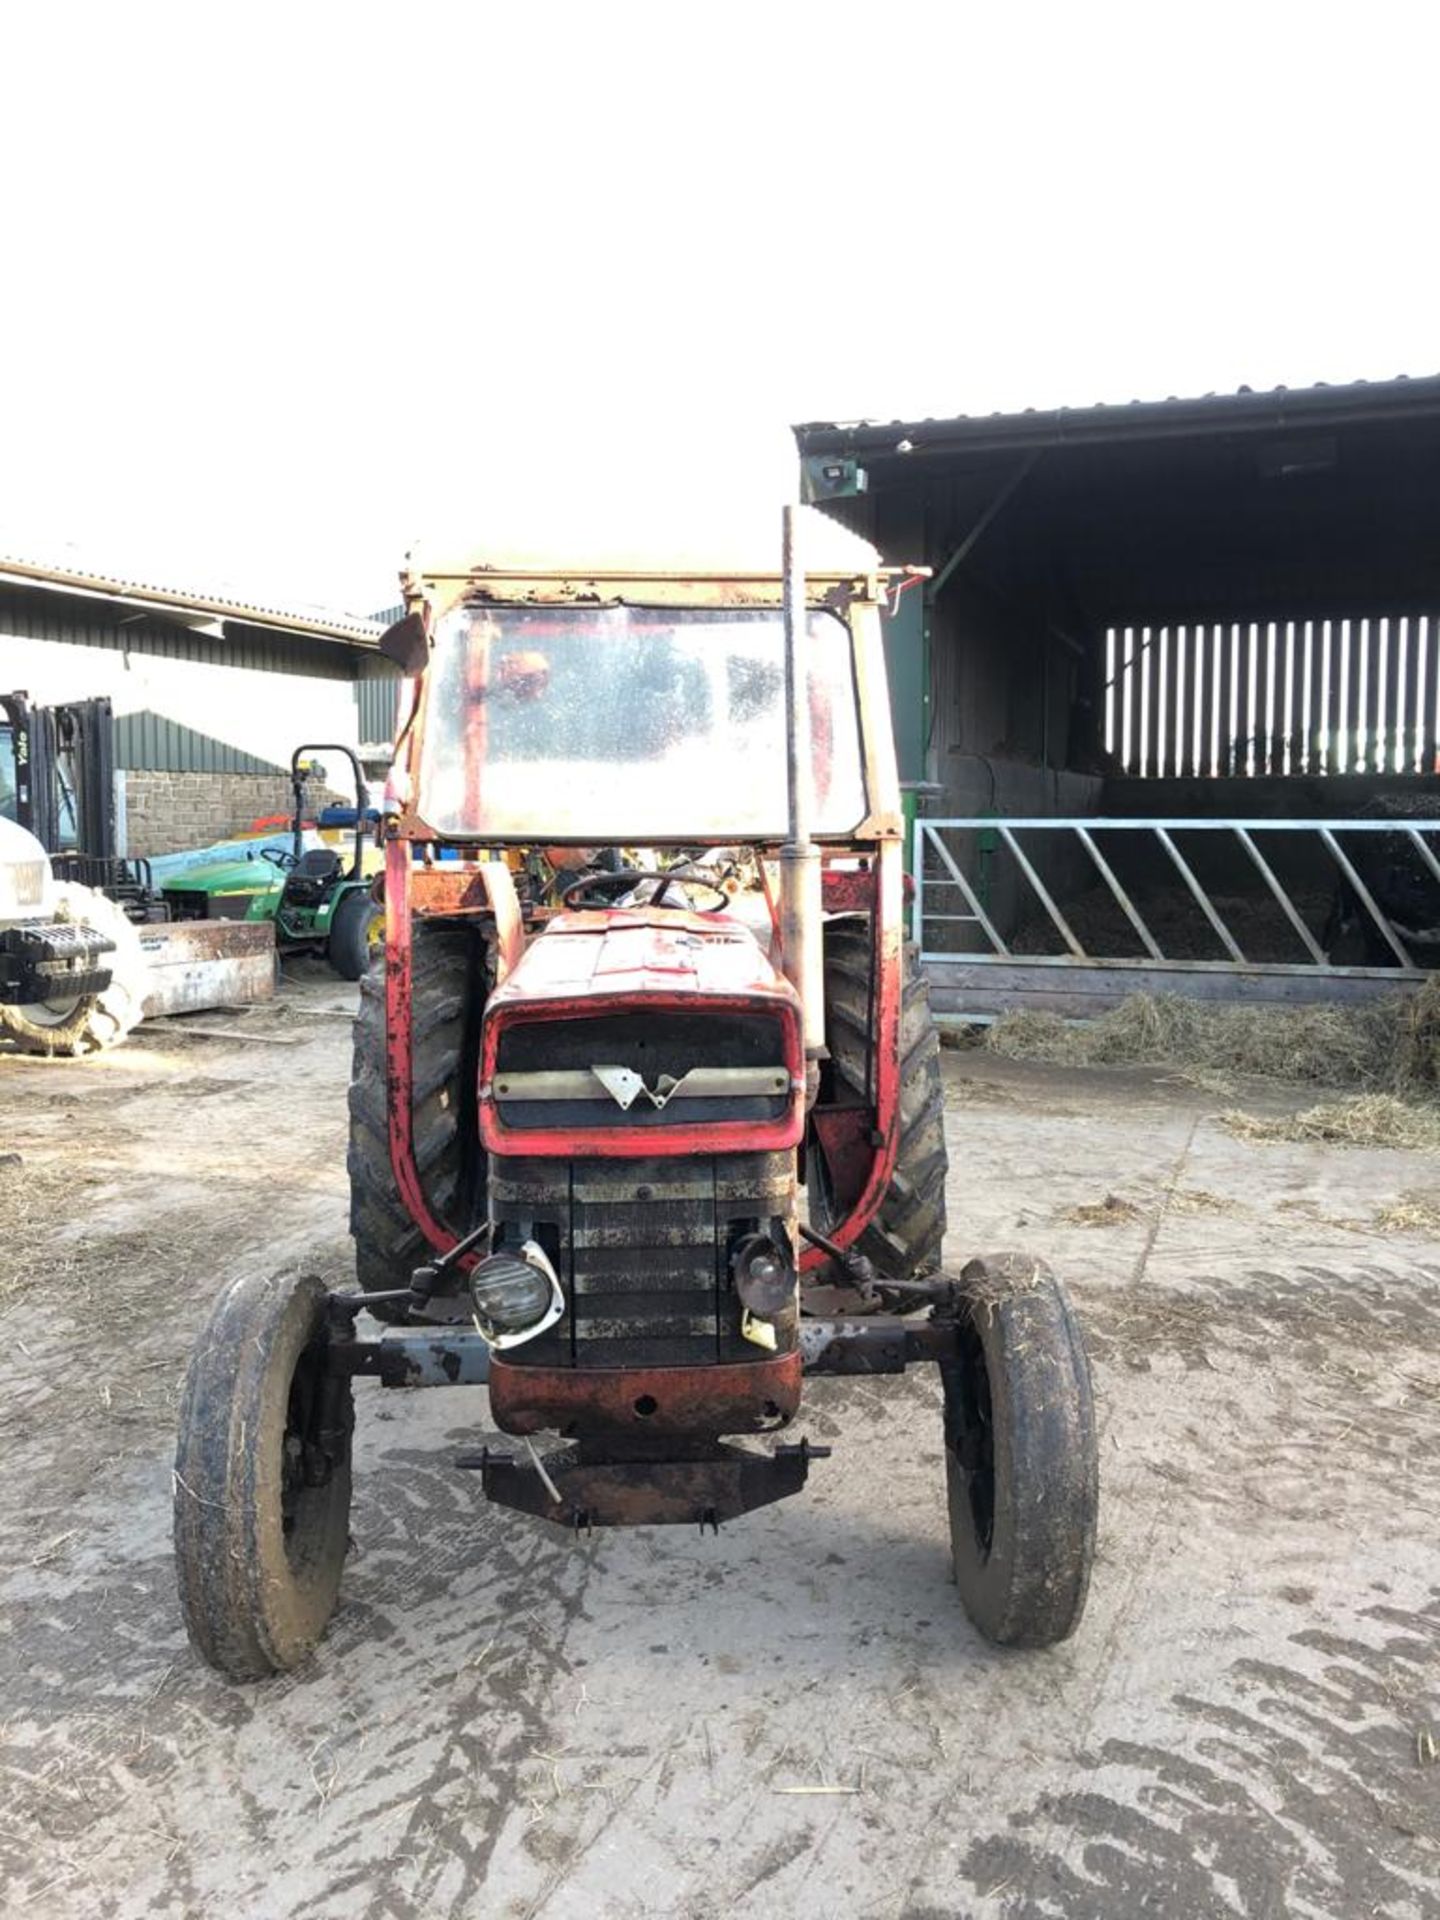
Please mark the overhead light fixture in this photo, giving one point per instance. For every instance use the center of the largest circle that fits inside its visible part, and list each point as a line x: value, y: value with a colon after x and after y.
x: 825, y: 476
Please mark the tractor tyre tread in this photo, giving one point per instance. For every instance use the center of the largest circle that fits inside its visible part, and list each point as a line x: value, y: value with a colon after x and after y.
x: 348, y: 946
x: 905, y: 1237
x: 254, y: 1601
x: 1023, y: 1578
x: 388, y: 1244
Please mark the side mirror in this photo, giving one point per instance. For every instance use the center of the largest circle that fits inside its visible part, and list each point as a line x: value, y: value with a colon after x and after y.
x: 405, y: 644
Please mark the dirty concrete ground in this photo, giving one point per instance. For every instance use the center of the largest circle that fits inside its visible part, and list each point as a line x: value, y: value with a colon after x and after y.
x: 794, y: 1719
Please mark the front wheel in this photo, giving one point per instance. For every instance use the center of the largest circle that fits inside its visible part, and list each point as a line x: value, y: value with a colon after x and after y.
x: 348, y: 948
x: 262, y: 1479
x: 1020, y: 1457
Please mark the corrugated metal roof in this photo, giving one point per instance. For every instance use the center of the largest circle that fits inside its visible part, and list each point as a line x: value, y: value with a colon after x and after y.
x: 218, y: 603
x: 1245, y: 409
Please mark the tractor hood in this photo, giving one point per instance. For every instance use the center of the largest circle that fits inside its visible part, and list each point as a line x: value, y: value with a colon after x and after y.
x: 642, y: 1031
x: 641, y: 951
x: 228, y: 876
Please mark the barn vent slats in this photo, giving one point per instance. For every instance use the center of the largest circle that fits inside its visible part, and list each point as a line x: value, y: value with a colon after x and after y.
x: 1348, y: 694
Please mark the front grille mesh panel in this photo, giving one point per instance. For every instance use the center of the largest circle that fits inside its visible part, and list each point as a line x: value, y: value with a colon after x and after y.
x: 642, y: 1249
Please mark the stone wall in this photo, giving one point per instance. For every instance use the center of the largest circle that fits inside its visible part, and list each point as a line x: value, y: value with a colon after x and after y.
x: 168, y: 812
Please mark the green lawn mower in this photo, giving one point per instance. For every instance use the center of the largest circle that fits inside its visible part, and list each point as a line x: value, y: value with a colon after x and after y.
x: 319, y: 902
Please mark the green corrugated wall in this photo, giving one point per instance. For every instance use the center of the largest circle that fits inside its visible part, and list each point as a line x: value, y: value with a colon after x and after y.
x: 150, y: 741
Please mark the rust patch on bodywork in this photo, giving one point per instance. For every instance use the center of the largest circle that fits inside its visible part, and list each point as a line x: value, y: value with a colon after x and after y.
x: 591, y: 1486
x: 743, y: 1397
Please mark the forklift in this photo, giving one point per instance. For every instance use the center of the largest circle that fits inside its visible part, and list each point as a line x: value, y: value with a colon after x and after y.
x: 58, y: 789
x: 57, y: 780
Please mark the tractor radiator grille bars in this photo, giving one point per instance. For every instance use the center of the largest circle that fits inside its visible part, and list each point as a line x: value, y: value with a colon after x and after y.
x: 643, y: 1248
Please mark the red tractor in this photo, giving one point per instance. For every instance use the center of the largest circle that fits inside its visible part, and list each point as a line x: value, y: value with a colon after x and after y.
x: 642, y: 1156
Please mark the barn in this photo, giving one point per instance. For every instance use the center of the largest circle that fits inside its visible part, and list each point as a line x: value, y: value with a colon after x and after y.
x: 1168, y: 707
x: 211, y: 691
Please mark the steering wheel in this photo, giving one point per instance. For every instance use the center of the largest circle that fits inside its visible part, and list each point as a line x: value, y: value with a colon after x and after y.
x: 607, y: 885
x: 280, y: 857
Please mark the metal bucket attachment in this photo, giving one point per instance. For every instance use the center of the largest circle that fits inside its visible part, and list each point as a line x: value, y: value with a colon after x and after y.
x: 197, y: 964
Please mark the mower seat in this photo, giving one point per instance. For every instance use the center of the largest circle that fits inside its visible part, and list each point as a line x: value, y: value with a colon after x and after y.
x: 311, y: 878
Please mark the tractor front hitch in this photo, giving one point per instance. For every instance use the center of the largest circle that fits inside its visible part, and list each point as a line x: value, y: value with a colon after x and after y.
x: 609, y: 1481
x: 657, y: 1458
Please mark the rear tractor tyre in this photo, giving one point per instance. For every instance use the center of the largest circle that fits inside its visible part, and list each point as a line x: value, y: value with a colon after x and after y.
x: 449, y: 977
x: 1020, y: 1458
x: 262, y: 1479
x: 904, y: 1239
x: 348, y: 947
x: 94, y: 1021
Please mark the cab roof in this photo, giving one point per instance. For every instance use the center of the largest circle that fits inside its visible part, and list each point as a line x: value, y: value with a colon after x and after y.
x: 745, y: 548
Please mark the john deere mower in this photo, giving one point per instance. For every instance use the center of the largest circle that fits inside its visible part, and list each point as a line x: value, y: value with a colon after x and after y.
x: 319, y: 902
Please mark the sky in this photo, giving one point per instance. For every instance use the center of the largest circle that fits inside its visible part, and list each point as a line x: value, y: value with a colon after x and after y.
x: 286, y: 287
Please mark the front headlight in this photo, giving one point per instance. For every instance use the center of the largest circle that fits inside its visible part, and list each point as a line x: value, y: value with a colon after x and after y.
x: 515, y: 1295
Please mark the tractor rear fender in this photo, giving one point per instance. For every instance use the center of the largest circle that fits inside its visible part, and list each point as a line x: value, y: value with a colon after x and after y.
x: 486, y: 888
x: 888, y: 989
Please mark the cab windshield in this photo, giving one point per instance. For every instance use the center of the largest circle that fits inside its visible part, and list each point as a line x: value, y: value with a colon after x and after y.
x: 624, y: 724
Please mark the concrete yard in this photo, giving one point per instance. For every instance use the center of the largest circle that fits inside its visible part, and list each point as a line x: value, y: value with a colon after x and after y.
x: 793, y: 1719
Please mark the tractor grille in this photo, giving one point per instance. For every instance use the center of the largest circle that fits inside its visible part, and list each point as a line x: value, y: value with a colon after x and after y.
x: 544, y: 1070
x: 185, y: 903
x: 642, y: 1249
x: 182, y: 904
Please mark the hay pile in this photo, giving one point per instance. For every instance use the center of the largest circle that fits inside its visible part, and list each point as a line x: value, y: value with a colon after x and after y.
x: 1411, y: 1213
x: 1198, y: 1200
x: 32, y: 1198
x: 1368, y: 1120
x: 1391, y: 1045
x: 1389, y: 1050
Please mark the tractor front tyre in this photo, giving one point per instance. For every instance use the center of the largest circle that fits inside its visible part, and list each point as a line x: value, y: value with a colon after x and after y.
x: 903, y: 1240
x: 90, y: 1022
x: 348, y: 947
x: 446, y: 994
x: 1021, y: 1466
x: 262, y: 1479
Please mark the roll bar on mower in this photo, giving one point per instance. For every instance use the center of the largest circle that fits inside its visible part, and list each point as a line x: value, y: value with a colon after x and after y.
x: 299, y: 774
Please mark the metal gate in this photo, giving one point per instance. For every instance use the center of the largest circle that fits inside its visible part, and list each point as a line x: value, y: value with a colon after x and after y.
x: 1070, y: 915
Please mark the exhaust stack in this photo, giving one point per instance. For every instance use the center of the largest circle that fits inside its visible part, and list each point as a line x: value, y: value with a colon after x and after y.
x: 800, y: 909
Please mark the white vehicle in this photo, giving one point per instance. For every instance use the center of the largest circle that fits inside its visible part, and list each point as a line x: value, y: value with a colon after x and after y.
x: 72, y: 974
